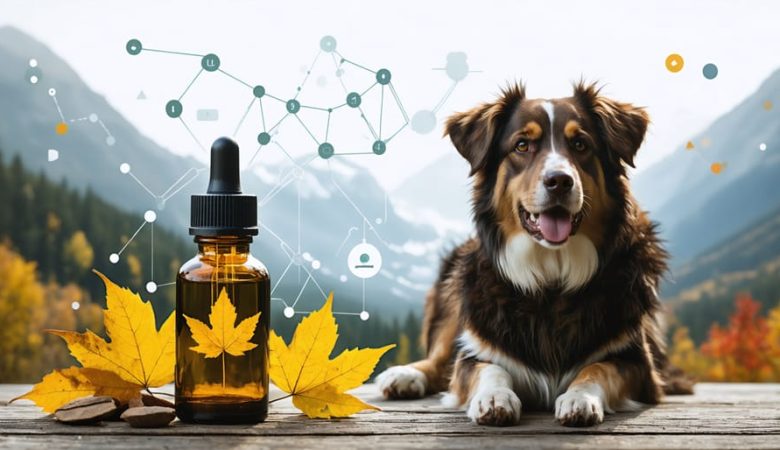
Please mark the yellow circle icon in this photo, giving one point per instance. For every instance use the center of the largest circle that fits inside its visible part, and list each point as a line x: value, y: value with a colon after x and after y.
x: 674, y: 63
x: 717, y: 167
x: 61, y: 128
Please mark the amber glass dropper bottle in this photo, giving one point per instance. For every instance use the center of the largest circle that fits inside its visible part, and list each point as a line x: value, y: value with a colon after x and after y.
x: 222, y: 305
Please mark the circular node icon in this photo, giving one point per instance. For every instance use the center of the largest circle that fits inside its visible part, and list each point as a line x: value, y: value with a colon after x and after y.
x: 259, y: 91
x: 762, y: 146
x: 293, y: 106
x: 364, y: 315
x: 151, y: 287
x: 150, y: 216
x: 378, y: 221
x: 33, y: 79
x: 710, y: 71
x: 113, y: 258
x: 457, y: 68
x: 133, y: 46
x: 210, y: 62
x: 53, y: 154
x: 93, y: 117
x: 174, y: 109
x: 263, y: 138
x: 61, y: 128
x: 339, y: 73
x: 307, y: 257
x: 379, y: 147
x: 75, y: 305
x: 325, y: 150
x: 717, y: 167
x: 364, y: 260
x: 288, y: 312
x: 110, y: 141
x: 328, y: 44
x: 33, y: 75
x: 33, y: 62
x: 674, y: 63
x: 52, y: 92
x: 316, y: 264
x: 124, y: 168
x: 353, y: 99
x: 383, y: 76
x: 424, y: 121
x: 343, y: 278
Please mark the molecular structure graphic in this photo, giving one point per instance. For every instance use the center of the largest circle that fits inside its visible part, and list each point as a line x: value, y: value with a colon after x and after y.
x: 292, y: 105
x: 364, y: 259
x: 674, y: 63
x: 34, y: 75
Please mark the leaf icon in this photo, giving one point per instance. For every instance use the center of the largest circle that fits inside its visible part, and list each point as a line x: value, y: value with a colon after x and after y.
x: 223, y: 336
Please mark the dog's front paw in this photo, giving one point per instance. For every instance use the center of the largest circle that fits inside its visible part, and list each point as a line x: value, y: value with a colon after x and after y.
x: 580, y: 407
x: 402, y: 382
x: 497, y: 407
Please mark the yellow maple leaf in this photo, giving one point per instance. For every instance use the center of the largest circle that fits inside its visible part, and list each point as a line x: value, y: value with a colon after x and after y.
x: 316, y: 383
x: 223, y: 336
x: 137, y: 357
x: 63, y: 385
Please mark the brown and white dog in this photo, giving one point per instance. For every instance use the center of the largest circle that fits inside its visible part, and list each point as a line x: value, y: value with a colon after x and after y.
x: 552, y: 305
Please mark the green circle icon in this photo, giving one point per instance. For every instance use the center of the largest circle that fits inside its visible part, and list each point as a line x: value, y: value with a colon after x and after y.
x: 210, y: 62
x: 383, y: 76
x: 293, y: 106
x: 353, y: 99
x: 364, y: 258
x: 133, y: 46
x: 325, y: 150
x: 263, y: 138
x: 328, y: 44
x: 379, y: 147
x: 259, y: 91
x: 173, y: 108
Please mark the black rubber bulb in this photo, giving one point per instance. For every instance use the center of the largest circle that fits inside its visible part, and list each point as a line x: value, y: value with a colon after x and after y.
x: 225, y: 176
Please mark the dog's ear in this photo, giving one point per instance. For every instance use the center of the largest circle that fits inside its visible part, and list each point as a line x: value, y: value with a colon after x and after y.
x: 622, y: 125
x: 473, y: 132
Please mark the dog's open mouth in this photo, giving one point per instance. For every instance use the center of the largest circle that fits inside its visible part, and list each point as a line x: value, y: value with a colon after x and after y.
x: 553, y: 225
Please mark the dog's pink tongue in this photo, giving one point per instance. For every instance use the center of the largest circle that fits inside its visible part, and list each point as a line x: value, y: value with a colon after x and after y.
x: 555, y: 225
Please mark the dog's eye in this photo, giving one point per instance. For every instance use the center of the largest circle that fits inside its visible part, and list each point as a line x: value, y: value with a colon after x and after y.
x: 522, y: 146
x: 579, y: 145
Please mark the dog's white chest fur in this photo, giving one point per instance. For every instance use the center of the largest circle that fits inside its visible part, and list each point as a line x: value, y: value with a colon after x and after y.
x: 531, y: 266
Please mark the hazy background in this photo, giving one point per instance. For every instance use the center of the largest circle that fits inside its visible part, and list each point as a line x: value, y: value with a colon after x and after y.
x: 716, y: 201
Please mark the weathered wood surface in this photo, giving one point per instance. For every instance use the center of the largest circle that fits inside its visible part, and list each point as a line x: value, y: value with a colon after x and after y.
x: 718, y: 416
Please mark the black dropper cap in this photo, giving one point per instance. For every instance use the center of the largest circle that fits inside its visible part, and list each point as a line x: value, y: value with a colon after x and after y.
x: 223, y: 210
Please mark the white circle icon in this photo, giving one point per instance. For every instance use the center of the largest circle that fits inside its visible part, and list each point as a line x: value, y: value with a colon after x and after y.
x: 364, y: 260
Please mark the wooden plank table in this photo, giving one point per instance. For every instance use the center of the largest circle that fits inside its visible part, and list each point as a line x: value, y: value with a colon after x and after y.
x: 717, y: 416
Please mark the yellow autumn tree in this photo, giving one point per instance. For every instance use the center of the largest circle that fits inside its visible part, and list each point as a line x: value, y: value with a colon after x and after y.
x: 687, y: 357
x: 402, y: 351
x: 773, y: 321
x: 78, y: 251
x: 21, y: 316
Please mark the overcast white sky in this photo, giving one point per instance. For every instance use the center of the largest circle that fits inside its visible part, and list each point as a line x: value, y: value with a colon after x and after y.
x: 546, y: 43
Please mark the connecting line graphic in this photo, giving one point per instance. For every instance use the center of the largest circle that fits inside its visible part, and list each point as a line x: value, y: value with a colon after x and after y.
x: 63, y: 126
x: 149, y: 218
x: 189, y: 176
x: 325, y: 149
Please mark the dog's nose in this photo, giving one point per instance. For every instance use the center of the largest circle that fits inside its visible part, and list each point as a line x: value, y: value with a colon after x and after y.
x: 558, y: 182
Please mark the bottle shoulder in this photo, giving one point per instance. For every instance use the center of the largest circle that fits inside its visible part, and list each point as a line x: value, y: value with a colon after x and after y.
x: 199, y: 268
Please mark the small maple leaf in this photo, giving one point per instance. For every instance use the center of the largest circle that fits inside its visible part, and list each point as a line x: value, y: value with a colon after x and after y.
x: 316, y: 383
x: 223, y: 336
x: 137, y: 357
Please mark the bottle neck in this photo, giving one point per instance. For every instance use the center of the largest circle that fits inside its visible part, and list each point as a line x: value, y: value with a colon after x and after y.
x: 224, y: 249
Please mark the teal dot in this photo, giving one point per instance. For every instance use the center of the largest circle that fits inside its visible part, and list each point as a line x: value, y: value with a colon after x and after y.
x: 259, y: 91
x: 379, y: 147
x: 210, y: 62
x: 263, y: 138
x: 328, y: 44
x: 293, y: 106
x: 710, y: 71
x: 133, y: 46
x: 173, y: 108
x: 353, y: 99
x: 325, y: 150
x: 364, y: 258
x: 383, y: 76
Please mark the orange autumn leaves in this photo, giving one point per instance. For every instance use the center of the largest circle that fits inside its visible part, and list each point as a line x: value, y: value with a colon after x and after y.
x: 748, y: 349
x: 138, y: 356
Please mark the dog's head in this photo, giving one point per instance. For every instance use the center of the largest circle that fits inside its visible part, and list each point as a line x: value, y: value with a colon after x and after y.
x: 547, y: 169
